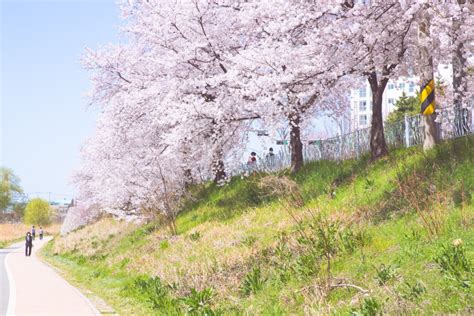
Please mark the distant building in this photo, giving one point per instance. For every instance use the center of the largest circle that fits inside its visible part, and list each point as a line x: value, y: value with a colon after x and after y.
x: 361, y: 100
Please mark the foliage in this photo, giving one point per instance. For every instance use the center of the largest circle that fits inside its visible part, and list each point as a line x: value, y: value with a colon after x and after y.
x: 454, y: 263
x: 168, y: 123
x: 154, y: 291
x: 369, y: 307
x: 384, y: 274
x: 413, y: 292
x: 195, y: 236
x: 19, y: 210
x: 404, y: 105
x: 200, y: 302
x: 37, y: 212
x: 9, y: 185
x: 252, y: 282
x: 369, y: 227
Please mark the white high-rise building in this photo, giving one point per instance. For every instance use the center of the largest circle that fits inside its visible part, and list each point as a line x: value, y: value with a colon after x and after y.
x: 361, y: 99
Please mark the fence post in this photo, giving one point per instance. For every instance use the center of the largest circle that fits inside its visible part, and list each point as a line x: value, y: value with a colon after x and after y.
x: 407, y: 131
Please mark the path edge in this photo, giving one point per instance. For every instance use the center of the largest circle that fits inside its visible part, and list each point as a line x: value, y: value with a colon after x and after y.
x: 12, y: 288
x: 58, y: 272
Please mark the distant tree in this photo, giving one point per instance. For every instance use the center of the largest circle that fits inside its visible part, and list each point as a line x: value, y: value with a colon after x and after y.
x: 9, y: 185
x: 404, y: 105
x: 19, y: 210
x: 38, y: 212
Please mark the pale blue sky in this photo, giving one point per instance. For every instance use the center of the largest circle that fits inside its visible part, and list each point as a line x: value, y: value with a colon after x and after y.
x: 43, y: 115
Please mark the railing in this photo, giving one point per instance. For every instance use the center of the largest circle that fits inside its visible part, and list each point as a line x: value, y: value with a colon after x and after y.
x: 404, y: 133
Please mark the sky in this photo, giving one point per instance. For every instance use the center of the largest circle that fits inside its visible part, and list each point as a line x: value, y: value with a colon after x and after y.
x: 44, y: 114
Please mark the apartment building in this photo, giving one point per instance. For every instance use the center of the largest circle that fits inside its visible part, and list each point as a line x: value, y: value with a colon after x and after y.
x: 361, y: 100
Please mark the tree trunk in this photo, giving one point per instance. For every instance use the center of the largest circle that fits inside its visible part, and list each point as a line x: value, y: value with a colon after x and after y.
x: 295, y: 142
x: 426, y: 75
x: 188, y: 178
x: 461, y: 122
x: 378, y: 146
x: 218, y: 168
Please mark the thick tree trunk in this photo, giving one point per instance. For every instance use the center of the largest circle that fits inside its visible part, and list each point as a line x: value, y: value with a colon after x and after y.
x: 219, y: 171
x: 462, y: 122
x: 188, y: 178
x: 295, y: 142
x: 426, y: 75
x: 378, y: 146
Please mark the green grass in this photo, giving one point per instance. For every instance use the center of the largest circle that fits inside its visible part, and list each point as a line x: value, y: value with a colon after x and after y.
x: 241, y: 251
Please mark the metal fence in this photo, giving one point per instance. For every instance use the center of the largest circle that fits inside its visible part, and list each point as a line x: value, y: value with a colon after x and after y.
x: 408, y: 132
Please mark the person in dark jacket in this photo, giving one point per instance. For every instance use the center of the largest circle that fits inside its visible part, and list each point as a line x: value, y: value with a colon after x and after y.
x: 28, y: 244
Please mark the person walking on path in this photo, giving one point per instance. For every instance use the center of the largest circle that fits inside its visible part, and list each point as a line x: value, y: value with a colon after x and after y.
x: 33, y: 231
x: 28, y: 244
x: 41, y: 233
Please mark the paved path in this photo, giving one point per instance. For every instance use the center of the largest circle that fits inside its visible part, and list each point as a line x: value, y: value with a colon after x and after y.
x: 36, y: 289
x: 4, y: 284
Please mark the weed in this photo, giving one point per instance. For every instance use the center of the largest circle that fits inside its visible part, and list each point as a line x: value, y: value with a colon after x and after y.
x: 327, y: 243
x: 97, y: 274
x: 249, y: 240
x: 385, y: 273
x: 414, y: 235
x: 454, y: 264
x: 308, y: 264
x: 253, y: 282
x: 413, y: 292
x: 369, y: 307
x: 351, y: 240
x: 81, y: 260
x: 195, y: 236
x: 165, y: 244
x: 369, y: 184
x: 199, y: 302
x: 152, y: 290
x: 123, y: 263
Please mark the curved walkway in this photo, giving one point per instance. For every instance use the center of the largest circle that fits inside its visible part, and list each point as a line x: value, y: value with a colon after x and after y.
x: 36, y: 289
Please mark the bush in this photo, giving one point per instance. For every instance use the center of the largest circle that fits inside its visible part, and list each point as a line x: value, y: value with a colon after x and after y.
x: 38, y: 212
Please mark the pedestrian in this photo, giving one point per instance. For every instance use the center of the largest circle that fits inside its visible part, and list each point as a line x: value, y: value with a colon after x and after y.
x: 33, y: 231
x: 28, y: 244
x: 252, y: 162
x: 41, y: 233
x: 252, y: 159
x: 270, y: 158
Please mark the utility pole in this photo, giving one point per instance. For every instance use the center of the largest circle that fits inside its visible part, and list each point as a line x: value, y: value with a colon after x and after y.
x: 427, y: 96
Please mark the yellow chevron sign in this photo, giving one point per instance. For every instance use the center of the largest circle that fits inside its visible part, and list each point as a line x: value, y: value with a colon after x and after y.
x: 427, y: 98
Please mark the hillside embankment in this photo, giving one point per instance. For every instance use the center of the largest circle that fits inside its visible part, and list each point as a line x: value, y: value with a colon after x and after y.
x: 394, y: 236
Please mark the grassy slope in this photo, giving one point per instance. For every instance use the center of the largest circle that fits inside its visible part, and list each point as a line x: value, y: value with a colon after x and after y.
x: 236, y: 239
